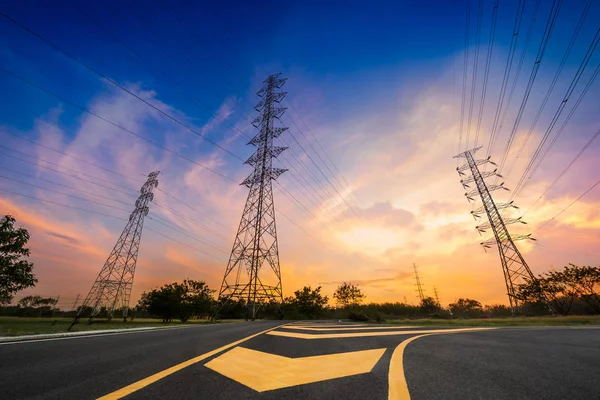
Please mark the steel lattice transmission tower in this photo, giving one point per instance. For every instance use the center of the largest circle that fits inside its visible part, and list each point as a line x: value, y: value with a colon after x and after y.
x: 437, y: 297
x: 419, y: 284
x: 112, y: 289
x: 255, y: 245
x: 514, y: 267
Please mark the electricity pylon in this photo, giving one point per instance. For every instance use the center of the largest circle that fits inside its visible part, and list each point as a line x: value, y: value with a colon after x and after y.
x: 437, y: 297
x: 514, y: 267
x: 112, y: 288
x: 419, y: 285
x: 255, y: 245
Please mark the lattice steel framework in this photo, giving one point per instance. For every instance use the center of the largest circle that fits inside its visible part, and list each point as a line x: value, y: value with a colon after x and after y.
x: 255, y: 244
x: 514, y: 267
x: 419, y: 284
x: 112, y: 289
x: 437, y: 297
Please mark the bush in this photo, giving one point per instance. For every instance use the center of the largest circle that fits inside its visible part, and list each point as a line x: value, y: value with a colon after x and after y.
x: 358, y: 316
x: 378, y: 317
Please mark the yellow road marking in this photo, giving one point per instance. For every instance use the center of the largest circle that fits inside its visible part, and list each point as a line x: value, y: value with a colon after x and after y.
x: 326, y: 325
x: 263, y: 371
x: 397, y: 386
x: 365, y: 334
x: 127, y: 390
x: 308, y: 328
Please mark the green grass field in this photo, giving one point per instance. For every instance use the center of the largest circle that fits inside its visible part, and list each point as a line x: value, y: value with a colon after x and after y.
x: 508, y: 321
x: 18, y: 326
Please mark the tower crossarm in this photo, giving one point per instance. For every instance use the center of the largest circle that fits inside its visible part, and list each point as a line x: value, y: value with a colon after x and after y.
x: 507, y: 221
x: 487, y: 174
x: 500, y: 206
x: 471, y: 194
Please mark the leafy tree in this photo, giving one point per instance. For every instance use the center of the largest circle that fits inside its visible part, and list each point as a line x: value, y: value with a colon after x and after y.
x: 30, y: 301
x: 429, y: 305
x: 585, y: 284
x: 562, y: 288
x: 498, y: 310
x: 178, y: 300
x: 348, y: 295
x: 308, y: 302
x: 466, y: 308
x: 16, y: 273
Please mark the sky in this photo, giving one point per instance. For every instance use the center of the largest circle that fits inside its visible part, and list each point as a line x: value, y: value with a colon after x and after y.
x: 95, y: 95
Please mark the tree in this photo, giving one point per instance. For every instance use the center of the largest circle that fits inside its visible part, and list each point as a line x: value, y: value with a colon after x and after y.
x: 308, y: 302
x: 429, y: 305
x: 585, y: 284
x: 30, y: 301
x: 348, y: 295
x: 16, y: 273
x: 498, y: 310
x: 178, y: 300
x: 466, y: 308
x: 562, y: 288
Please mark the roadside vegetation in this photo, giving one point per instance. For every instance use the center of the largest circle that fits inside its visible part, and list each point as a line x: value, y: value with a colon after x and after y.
x: 571, y: 293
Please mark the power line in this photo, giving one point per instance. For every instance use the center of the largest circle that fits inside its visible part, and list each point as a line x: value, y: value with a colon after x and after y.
x: 63, y: 193
x: 183, y: 243
x: 113, y: 82
x: 67, y: 168
x: 233, y: 73
x: 321, y: 171
x: 113, y: 123
x: 558, y: 112
x: 487, y: 69
x: 66, y: 186
x: 69, y: 155
x: 62, y: 205
x: 118, y: 126
x: 108, y: 170
x: 475, y: 66
x: 570, y: 204
x: 554, y: 80
x: 102, y: 214
x: 149, y: 64
x: 322, y: 149
x: 465, y: 71
x: 185, y: 232
x: 519, y: 68
x: 180, y: 215
x: 538, y: 60
x: 566, y: 169
x: 64, y: 173
x: 56, y: 47
x: 193, y: 236
x: 507, y: 69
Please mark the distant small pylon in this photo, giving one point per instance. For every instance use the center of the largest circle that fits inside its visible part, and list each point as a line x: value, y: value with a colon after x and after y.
x: 419, y: 285
x: 437, y: 297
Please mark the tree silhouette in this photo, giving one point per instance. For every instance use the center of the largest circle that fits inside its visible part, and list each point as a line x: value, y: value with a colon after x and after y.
x: 16, y: 273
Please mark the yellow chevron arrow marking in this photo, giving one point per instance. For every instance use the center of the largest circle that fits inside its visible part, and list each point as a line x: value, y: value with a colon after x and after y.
x: 365, y: 334
x: 263, y: 371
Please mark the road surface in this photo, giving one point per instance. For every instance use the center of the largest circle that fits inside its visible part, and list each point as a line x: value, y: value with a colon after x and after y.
x: 308, y: 360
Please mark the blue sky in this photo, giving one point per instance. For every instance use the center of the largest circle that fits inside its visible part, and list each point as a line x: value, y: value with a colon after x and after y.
x: 379, y: 83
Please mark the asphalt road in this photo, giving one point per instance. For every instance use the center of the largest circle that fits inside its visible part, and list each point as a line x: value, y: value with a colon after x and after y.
x: 308, y: 361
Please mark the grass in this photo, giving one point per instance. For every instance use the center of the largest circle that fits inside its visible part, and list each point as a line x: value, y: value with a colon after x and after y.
x: 506, y: 321
x: 18, y: 326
